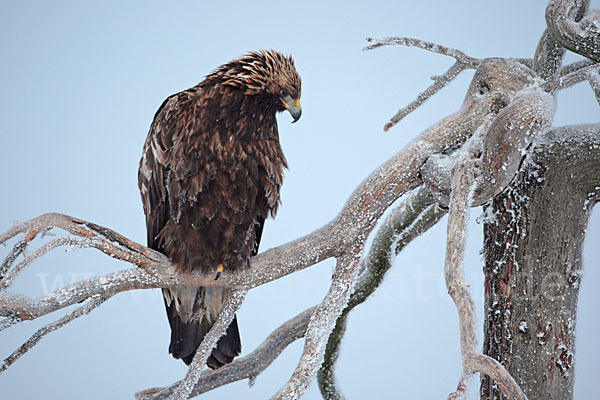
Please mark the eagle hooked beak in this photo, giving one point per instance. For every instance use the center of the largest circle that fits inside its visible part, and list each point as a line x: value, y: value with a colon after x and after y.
x: 293, y: 106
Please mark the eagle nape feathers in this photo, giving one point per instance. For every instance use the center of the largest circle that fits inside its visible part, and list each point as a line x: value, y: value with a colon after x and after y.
x: 210, y: 174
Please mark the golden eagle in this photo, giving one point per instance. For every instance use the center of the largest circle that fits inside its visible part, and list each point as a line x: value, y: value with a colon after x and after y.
x: 210, y: 174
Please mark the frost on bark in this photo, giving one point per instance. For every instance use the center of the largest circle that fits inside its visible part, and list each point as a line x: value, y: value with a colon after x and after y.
x: 533, y: 263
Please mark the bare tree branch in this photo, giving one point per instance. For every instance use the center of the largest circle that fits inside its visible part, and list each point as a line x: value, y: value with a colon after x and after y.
x: 439, y: 83
x: 577, y: 65
x: 51, y: 245
x: 16, y: 251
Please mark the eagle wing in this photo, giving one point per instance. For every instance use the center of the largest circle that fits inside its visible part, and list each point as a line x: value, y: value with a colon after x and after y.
x: 154, y: 170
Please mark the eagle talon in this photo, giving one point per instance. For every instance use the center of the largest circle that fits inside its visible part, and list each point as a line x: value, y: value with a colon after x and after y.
x: 219, y: 271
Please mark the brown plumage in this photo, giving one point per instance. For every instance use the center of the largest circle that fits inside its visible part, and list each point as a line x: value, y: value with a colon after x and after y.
x: 209, y: 176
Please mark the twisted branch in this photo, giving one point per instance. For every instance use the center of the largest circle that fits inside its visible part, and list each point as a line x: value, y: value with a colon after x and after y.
x: 575, y: 27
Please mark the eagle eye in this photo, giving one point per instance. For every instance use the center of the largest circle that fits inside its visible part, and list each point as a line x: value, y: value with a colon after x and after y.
x: 284, y: 93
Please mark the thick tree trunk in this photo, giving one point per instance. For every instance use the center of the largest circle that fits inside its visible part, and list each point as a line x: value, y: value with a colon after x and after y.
x: 533, y: 245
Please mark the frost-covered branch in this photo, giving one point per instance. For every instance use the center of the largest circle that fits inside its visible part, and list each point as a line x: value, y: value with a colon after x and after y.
x: 573, y: 78
x: 320, y: 326
x: 548, y: 56
x: 36, y: 337
x: 577, y: 65
x: 463, y: 62
x: 422, y: 44
x: 415, y: 215
x: 248, y: 367
x: 439, y: 82
x: 575, y: 27
x: 502, y: 146
x: 12, y: 274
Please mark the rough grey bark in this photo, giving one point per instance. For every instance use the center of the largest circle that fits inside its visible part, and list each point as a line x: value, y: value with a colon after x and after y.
x: 533, y: 263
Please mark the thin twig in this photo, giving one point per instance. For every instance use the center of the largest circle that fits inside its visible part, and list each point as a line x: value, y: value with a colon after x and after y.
x: 463, y: 62
x: 439, y: 83
x: 36, y: 337
x: 236, y: 297
x: 54, y: 243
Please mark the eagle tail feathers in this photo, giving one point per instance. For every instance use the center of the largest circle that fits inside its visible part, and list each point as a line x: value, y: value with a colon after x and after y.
x: 188, y: 332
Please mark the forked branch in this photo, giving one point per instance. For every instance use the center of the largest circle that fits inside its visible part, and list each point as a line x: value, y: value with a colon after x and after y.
x: 463, y: 62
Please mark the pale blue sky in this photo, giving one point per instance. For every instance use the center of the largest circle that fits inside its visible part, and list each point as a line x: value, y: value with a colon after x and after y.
x: 79, y: 84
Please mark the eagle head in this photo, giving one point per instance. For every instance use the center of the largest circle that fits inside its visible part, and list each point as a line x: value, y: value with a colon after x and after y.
x: 267, y: 74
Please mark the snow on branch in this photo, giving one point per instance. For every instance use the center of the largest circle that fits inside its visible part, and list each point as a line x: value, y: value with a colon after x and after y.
x: 320, y: 327
x: 548, y: 56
